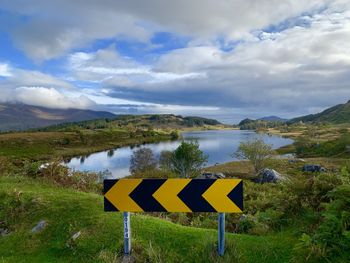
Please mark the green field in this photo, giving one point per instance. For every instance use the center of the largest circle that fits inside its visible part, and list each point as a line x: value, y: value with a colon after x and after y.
x: 25, y: 202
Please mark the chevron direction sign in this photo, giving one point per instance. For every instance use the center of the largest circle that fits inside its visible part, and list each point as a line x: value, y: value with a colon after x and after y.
x: 174, y: 195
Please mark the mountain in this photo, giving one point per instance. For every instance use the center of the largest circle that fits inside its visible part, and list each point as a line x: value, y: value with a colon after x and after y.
x: 337, y: 114
x: 272, y: 118
x: 22, y: 116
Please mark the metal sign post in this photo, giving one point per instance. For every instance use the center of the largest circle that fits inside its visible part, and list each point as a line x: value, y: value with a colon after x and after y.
x: 221, y: 234
x: 127, y: 233
x: 173, y: 195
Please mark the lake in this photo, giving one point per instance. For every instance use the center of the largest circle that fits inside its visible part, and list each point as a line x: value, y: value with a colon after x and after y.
x: 219, y: 145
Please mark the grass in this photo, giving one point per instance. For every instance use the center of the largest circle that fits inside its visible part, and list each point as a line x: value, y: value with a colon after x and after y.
x: 26, y: 201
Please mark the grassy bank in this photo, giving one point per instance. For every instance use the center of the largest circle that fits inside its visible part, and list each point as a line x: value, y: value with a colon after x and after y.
x: 48, y: 145
x: 24, y: 202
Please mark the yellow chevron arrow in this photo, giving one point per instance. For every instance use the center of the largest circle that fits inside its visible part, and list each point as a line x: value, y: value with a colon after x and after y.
x: 118, y: 195
x: 216, y: 195
x: 166, y: 195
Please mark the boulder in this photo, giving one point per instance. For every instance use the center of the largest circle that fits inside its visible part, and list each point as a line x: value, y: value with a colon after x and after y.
x: 208, y: 175
x: 267, y: 175
x: 313, y: 168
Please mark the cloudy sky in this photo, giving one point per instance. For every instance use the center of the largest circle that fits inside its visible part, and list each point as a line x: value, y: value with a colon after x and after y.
x: 222, y: 59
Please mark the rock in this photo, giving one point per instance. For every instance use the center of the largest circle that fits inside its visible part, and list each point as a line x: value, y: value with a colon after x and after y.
x: 4, y: 232
x: 267, y: 175
x: 208, y: 175
x: 40, y: 226
x: 313, y: 168
x: 76, y: 235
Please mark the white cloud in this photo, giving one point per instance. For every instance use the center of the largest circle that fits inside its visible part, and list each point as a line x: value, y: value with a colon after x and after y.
x: 109, y: 67
x: 50, y: 98
x: 22, y: 77
x: 36, y: 88
x: 5, y: 70
x: 288, y: 57
x: 54, y: 27
x: 296, y: 70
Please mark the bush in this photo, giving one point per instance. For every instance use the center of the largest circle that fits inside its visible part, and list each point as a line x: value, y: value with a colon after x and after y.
x: 61, y: 175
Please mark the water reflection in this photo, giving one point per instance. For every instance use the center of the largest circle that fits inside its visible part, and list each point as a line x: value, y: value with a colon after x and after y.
x: 110, y: 153
x: 218, y: 145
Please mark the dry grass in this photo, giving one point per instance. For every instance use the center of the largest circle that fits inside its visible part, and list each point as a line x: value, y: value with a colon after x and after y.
x: 241, y: 169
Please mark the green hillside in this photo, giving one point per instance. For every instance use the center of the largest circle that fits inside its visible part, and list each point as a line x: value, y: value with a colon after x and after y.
x: 147, y: 121
x: 24, y: 202
x: 16, y: 117
x: 337, y: 114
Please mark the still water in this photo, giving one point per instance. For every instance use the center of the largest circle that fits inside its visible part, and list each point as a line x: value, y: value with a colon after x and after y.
x: 219, y: 145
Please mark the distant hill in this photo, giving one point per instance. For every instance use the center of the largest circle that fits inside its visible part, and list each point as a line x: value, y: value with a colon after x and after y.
x: 337, y: 114
x: 147, y: 121
x: 15, y: 117
x: 263, y: 123
x: 273, y: 118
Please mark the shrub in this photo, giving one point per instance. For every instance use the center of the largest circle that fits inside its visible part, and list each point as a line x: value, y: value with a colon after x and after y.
x: 61, y: 175
x: 256, y: 151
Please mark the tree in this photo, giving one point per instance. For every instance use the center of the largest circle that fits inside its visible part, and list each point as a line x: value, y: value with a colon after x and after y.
x: 188, y: 160
x: 256, y: 151
x: 142, y: 160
